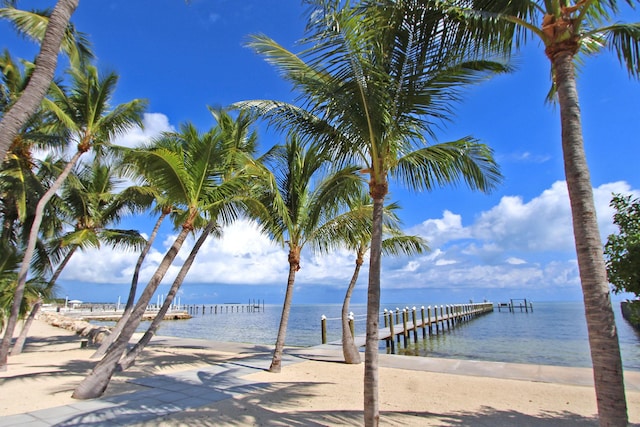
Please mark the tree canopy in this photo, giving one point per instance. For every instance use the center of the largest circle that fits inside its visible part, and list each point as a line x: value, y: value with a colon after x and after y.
x: 622, y: 250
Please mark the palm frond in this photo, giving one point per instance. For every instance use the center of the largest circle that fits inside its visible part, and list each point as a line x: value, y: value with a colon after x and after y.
x: 404, y: 245
x: 624, y: 41
x: 33, y: 24
x: 449, y: 163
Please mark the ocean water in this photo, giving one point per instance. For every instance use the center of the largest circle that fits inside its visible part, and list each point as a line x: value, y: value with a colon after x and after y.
x: 555, y: 333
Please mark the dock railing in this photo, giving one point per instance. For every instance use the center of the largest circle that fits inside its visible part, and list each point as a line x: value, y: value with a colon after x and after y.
x: 406, y: 322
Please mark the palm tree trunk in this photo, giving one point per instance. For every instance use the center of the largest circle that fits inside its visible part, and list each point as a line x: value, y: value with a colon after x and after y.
x: 46, y: 63
x: 97, y: 381
x: 131, y: 355
x: 603, y: 336
x: 26, y: 261
x: 22, y: 338
x: 104, y: 346
x: 371, y: 404
x: 294, y: 266
x: 349, y: 349
x: 141, y: 258
x: 18, y: 346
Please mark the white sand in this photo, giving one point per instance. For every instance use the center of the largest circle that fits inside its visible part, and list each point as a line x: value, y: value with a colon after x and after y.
x: 303, y: 394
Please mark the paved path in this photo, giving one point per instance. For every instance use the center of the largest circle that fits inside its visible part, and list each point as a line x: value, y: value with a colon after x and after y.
x: 177, y: 392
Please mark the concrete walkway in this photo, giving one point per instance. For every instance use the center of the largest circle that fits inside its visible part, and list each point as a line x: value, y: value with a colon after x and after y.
x: 177, y: 392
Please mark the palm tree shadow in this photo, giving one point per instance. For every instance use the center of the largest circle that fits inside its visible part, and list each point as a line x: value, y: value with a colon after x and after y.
x: 220, y: 397
x: 255, y: 408
x: 488, y: 416
x: 44, y: 343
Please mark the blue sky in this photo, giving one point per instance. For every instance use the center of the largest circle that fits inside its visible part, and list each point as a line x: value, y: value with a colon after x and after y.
x: 513, y: 243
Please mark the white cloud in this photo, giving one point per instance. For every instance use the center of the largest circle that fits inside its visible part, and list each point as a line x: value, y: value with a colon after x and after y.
x: 527, y: 157
x: 439, y: 231
x: 516, y: 245
x: 153, y: 125
x: 539, y: 225
x: 242, y: 256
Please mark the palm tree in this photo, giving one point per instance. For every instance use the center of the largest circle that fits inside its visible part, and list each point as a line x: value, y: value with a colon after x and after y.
x: 372, y: 82
x: 188, y: 167
x: 90, y: 200
x: 394, y: 243
x: 86, y: 117
x: 300, y: 212
x: 568, y: 31
x: 239, y: 146
x: 24, y: 178
x: 9, y: 262
x: 164, y: 209
x: 131, y: 355
x: 54, y: 33
x: 240, y: 143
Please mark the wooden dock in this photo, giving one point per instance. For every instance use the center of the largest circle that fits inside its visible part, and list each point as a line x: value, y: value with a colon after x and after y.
x: 116, y: 315
x: 516, y: 304
x: 229, y: 307
x: 406, y: 323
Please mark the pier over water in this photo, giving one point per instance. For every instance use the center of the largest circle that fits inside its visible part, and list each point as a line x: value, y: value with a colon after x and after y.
x: 405, y: 324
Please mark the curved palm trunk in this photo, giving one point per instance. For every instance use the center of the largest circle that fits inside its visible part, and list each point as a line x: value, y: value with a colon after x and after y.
x: 22, y: 338
x: 26, y: 261
x: 131, y: 355
x: 97, y: 381
x: 104, y: 346
x: 603, y: 336
x: 294, y: 266
x: 371, y: 404
x: 18, y: 346
x: 46, y: 63
x: 349, y: 349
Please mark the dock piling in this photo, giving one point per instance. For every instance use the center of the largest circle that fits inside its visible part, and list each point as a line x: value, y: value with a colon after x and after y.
x: 323, y: 326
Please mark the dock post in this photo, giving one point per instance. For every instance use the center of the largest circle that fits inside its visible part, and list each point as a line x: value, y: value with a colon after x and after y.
x: 392, y: 333
x: 415, y: 325
x: 424, y: 330
x: 386, y: 325
x: 405, y: 333
x: 429, y: 320
x: 397, y: 322
x: 323, y: 325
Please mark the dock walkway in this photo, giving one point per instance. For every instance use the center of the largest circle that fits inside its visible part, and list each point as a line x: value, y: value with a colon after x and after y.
x: 431, y: 320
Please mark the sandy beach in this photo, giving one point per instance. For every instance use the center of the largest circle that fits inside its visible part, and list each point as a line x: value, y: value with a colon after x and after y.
x: 308, y: 392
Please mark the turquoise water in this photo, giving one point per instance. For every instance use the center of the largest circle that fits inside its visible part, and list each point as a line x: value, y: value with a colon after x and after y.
x: 554, y: 333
